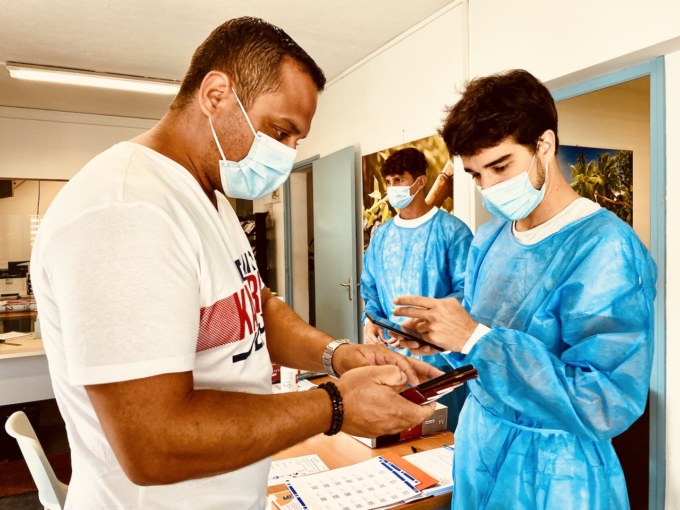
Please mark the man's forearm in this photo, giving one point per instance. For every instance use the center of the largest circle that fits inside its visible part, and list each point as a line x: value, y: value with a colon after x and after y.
x: 205, y: 433
x: 290, y: 340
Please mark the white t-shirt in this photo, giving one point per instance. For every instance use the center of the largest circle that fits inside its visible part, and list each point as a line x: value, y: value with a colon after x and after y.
x: 137, y: 274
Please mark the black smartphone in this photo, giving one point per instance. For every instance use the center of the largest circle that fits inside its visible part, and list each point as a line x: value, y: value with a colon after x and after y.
x: 396, y: 328
x: 431, y: 390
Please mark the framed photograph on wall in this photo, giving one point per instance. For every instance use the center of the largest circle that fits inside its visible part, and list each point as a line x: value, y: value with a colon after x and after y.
x: 438, y: 192
x: 602, y: 175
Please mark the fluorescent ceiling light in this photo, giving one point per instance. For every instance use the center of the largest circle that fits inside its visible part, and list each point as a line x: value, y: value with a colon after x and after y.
x: 91, y: 79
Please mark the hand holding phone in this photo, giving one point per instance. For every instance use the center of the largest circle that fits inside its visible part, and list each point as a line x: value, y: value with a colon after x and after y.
x: 398, y: 329
x: 431, y: 390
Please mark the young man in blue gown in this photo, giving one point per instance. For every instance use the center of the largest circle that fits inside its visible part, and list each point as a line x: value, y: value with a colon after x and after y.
x: 557, y: 316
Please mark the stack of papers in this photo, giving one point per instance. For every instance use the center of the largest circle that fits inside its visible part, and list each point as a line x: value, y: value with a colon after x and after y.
x: 285, y: 469
x: 13, y: 335
x: 438, y: 463
x: 380, y: 482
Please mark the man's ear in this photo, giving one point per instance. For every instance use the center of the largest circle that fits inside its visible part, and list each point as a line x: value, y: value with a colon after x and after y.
x: 546, y: 147
x: 214, y: 91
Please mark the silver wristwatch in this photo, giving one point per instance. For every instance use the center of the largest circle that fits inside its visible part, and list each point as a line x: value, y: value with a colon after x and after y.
x: 327, y: 357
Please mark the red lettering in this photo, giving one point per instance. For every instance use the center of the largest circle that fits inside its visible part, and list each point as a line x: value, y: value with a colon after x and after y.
x: 243, y: 315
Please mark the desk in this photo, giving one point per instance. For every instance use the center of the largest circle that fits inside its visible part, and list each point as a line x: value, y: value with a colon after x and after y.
x: 28, y: 346
x: 21, y: 320
x: 343, y: 450
x: 26, y: 314
x: 24, y: 374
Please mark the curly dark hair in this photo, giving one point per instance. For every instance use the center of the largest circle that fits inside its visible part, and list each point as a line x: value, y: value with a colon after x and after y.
x: 409, y: 160
x: 494, y: 108
x: 251, y: 52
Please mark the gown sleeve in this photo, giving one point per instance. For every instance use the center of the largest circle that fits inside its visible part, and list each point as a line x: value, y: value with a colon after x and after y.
x: 457, y: 250
x: 595, y: 383
x: 369, y: 287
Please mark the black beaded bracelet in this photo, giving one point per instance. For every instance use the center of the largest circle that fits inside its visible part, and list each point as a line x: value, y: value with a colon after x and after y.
x: 338, y: 410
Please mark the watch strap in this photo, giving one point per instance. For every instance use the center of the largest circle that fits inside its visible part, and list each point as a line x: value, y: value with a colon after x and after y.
x: 327, y: 357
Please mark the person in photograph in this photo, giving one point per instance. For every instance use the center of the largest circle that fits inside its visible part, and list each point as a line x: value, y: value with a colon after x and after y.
x: 420, y: 251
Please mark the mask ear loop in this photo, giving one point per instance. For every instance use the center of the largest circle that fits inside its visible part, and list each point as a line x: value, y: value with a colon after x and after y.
x: 215, y: 137
x: 414, y: 184
x: 244, y: 111
x: 546, y: 166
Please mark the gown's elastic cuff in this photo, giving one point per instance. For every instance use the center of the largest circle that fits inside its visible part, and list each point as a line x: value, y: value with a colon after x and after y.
x: 478, y: 333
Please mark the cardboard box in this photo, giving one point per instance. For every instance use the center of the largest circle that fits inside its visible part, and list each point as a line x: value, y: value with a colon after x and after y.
x: 432, y: 425
x: 276, y: 373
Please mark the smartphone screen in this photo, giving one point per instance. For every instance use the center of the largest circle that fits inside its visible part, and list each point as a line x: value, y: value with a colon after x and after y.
x: 396, y: 328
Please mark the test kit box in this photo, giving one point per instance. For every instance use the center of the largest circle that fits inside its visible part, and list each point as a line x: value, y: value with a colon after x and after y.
x: 436, y: 423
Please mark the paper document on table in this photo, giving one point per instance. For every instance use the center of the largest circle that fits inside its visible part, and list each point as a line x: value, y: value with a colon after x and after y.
x: 282, y: 470
x: 12, y: 335
x: 438, y: 463
x: 375, y: 483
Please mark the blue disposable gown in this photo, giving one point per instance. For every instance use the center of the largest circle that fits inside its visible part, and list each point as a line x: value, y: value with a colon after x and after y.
x: 427, y: 260
x: 565, y: 367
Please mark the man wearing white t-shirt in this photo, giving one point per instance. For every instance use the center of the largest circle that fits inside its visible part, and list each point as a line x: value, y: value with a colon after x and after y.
x: 158, y: 330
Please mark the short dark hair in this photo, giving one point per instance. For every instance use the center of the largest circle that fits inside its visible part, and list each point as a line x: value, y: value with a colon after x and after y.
x: 251, y: 52
x: 409, y: 160
x: 494, y: 108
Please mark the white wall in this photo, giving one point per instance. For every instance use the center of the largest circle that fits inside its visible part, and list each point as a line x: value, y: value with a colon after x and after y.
x: 553, y: 38
x: 397, y: 95
x: 42, y: 144
x: 673, y: 283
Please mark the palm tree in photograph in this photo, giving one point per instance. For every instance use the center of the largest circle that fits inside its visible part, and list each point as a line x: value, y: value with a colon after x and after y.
x: 607, y: 181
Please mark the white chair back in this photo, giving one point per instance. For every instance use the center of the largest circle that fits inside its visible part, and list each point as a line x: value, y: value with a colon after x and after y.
x: 51, y: 492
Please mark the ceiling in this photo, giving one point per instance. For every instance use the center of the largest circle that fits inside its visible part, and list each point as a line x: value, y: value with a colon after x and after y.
x: 156, y: 38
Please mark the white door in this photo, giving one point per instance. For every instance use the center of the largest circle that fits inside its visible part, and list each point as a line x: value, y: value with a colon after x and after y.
x: 335, y: 267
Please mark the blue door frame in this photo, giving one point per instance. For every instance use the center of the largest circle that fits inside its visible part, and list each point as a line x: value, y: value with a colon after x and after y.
x: 657, y: 404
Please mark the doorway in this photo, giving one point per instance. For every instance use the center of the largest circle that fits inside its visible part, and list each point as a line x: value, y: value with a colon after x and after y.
x: 621, y: 114
x: 299, y: 233
x: 320, y: 218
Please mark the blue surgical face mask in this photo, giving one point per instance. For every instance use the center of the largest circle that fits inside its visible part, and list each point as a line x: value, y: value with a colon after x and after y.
x: 266, y: 166
x: 400, y: 196
x: 515, y: 198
